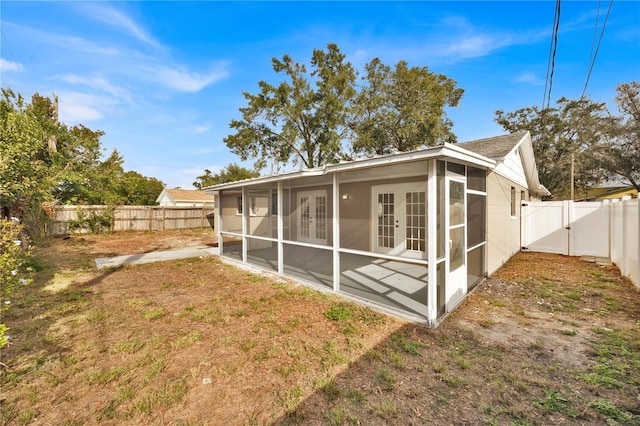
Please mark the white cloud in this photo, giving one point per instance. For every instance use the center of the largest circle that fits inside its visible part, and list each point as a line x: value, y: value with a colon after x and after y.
x: 10, y: 66
x: 201, y: 128
x: 117, y: 19
x: 529, y: 78
x: 76, y: 107
x: 96, y: 82
x: 184, y: 80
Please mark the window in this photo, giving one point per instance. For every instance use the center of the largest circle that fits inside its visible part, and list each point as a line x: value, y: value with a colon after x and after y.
x: 523, y: 196
x: 239, y: 206
x: 513, y: 202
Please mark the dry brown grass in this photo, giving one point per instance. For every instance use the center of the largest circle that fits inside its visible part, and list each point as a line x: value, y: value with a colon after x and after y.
x: 548, y: 340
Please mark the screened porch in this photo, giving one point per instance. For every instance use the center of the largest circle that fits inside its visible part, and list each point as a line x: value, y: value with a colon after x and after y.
x: 404, y: 233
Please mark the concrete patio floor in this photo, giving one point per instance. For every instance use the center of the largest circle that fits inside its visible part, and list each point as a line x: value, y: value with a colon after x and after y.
x: 156, y: 256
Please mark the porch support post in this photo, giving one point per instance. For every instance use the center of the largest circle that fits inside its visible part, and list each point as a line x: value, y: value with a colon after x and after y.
x: 245, y: 223
x: 432, y: 242
x: 336, y: 233
x: 218, y: 219
x: 280, y: 220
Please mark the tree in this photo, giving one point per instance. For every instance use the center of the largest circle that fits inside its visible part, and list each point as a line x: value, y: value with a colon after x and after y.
x: 232, y: 173
x: 579, y: 128
x: 136, y: 189
x: 24, y: 168
x: 402, y: 109
x: 294, y: 121
x: 624, y: 150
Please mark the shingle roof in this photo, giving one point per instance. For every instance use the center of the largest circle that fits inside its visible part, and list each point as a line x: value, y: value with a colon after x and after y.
x: 189, y: 195
x: 496, y: 147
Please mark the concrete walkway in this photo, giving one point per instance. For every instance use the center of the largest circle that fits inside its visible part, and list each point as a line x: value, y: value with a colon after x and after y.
x: 156, y: 256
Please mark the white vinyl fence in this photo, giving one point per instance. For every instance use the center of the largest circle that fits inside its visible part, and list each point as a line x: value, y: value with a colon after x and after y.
x: 131, y: 218
x: 597, y: 228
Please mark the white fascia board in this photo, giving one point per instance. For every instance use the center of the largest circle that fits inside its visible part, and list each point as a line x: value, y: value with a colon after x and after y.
x: 446, y: 151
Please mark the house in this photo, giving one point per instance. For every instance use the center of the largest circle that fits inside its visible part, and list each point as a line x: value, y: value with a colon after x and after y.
x: 410, y: 233
x: 613, y: 189
x: 185, y: 198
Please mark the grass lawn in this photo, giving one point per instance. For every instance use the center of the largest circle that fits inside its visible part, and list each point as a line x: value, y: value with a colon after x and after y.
x: 547, y: 340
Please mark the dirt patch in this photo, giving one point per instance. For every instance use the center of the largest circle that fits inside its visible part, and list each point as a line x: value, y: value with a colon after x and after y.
x: 547, y: 340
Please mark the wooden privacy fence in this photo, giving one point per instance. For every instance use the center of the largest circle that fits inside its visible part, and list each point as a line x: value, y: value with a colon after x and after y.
x: 130, y: 218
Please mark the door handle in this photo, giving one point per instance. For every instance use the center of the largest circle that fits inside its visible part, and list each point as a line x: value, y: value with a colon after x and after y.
x: 450, y: 244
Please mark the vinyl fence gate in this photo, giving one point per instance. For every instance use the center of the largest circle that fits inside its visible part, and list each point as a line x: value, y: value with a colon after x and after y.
x: 608, y: 229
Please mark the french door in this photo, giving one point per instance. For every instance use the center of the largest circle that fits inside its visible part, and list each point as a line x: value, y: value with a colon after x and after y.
x: 312, y: 216
x: 399, y: 220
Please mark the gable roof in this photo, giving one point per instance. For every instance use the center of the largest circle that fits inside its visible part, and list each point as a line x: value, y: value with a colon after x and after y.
x: 486, y: 152
x: 187, y: 195
x: 499, y: 148
x: 496, y: 147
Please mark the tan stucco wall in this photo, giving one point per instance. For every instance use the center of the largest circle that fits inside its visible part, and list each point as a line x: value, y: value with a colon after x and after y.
x: 231, y: 221
x: 503, y: 230
x: 355, y: 212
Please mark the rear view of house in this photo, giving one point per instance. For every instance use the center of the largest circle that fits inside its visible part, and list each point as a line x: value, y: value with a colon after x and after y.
x: 410, y: 233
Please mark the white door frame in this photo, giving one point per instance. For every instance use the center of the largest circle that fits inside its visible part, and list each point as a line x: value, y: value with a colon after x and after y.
x: 308, y: 220
x: 399, y: 218
x: 456, y: 279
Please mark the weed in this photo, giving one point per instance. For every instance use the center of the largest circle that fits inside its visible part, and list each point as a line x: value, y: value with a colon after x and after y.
x: 291, y: 399
x: 387, y: 409
x: 247, y: 345
x: 386, y: 379
x: 409, y: 346
x: 128, y: 347
x: 338, y: 417
x: 27, y: 415
x: 462, y: 363
x: 355, y: 395
x: 373, y: 354
x: 187, y: 340
x: 609, y: 409
x: 103, y: 377
x: 332, y: 356
x: 154, y: 313
x: 397, y: 361
x: 552, y: 401
x: 252, y: 278
x: 567, y: 332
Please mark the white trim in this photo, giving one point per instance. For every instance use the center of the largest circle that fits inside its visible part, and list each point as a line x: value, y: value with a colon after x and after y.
x: 336, y: 233
x: 432, y: 242
x: 312, y: 194
x: 400, y: 237
x: 448, y: 151
x: 412, y: 261
x: 484, y: 243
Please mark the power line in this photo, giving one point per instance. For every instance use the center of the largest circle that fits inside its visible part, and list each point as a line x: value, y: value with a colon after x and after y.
x: 553, y: 47
x: 595, y: 55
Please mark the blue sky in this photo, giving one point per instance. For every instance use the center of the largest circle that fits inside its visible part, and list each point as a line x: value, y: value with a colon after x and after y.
x: 164, y: 79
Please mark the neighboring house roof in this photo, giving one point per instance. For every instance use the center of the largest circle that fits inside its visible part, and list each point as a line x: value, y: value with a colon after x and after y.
x: 503, y: 148
x: 186, y: 196
x: 489, y: 152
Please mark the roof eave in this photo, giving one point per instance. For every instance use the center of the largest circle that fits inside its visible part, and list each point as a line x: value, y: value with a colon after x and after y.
x: 444, y: 151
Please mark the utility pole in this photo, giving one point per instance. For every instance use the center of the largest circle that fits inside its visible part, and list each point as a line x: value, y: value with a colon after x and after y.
x: 572, y: 175
x: 52, y: 142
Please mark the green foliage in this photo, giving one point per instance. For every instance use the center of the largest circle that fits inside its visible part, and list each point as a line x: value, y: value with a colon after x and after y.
x: 295, y: 121
x: 402, y: 109
x: 624, y: 150
x: 93, y: 222
x: 14, y: 265
x: 580, y: 128
x: 609, y: 409
x: 231, y: 173
x: 45, y: 161
x: 309, y: 119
